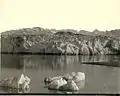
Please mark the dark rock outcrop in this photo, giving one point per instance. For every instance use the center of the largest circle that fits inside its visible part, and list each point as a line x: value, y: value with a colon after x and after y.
x: 23, y: 39
x: 19, y: 82
x: 45, y: 41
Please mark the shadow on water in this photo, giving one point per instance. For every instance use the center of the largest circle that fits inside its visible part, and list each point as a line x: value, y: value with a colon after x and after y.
x: 103, y: 60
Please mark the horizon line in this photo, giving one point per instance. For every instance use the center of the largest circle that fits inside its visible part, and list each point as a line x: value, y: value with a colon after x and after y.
x: 77, y: 29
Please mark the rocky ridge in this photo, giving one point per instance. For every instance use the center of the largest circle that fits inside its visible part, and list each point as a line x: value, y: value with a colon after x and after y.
x: 51, y: 41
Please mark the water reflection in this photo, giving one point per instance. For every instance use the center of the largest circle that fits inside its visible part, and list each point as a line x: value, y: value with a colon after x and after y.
x: 98, y: 78
x: 52, y: 62
x: 12, y: 61
x: 14, y: 90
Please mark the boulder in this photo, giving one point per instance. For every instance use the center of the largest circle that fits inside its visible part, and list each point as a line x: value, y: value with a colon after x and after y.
x: 79, y: 76
x: 72, y: 81
x: 56, y: 78
x: 69, y: 76
x: 80, y: 84
x: 21, y: 82
x: 70, y: 86
x: 49, y: 79
x: 56, y: 84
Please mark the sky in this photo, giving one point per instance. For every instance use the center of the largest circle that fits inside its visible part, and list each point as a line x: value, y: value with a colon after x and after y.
x: 60, y: 14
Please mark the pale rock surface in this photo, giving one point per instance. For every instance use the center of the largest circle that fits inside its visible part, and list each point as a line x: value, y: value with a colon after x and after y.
x: 56, y: 84
x: 70, y: 86
x: 79, y: 76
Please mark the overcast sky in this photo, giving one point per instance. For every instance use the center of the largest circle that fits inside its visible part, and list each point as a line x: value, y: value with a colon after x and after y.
x: 77, y: 14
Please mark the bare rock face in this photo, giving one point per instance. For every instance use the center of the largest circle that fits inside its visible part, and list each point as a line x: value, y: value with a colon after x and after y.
x: 62, y: 48
x: 22, y: 40
x: 72, y: 49
x: 45, y: 41
x: 84, y: 49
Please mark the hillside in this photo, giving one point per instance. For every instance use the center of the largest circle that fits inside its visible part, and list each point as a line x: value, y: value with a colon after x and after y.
x: 67, y: 41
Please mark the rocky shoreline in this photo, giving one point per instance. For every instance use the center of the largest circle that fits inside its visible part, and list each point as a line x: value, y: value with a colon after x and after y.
x: 38, y: 40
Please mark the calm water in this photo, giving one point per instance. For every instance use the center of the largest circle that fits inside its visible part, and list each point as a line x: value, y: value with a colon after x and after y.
x: 101, y: 79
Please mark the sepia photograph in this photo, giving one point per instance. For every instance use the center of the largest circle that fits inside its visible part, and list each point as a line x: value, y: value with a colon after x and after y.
x: 60, y: 47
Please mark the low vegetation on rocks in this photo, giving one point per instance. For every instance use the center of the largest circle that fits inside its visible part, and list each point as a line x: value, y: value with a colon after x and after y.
x: 52, y: 41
